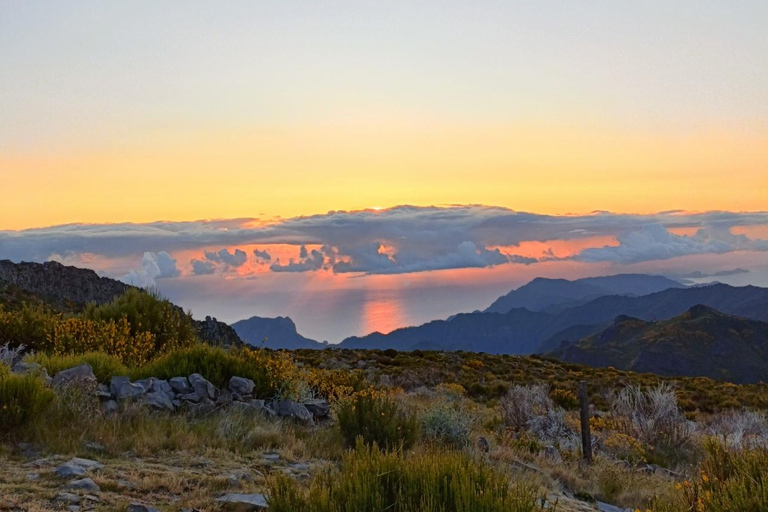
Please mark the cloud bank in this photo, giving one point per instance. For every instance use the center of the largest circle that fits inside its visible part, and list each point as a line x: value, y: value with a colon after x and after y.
x: 398, y: 240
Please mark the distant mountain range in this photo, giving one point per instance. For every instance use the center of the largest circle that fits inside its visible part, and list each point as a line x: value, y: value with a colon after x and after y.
x: 274, y: 333
x: 523, y: 331
x: 702, y: 342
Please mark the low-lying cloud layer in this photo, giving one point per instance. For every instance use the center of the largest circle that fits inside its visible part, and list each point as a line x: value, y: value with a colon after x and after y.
x: 398, y: 240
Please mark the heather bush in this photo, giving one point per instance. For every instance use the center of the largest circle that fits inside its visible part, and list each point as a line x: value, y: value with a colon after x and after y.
x: 434, y: 481
x: 376, y: 419
x: 449, y: 423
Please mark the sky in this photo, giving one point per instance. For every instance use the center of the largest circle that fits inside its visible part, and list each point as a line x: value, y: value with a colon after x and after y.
x: 255, y: 157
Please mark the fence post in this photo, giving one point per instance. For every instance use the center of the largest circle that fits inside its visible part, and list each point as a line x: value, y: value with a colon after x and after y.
x: 586, y: 435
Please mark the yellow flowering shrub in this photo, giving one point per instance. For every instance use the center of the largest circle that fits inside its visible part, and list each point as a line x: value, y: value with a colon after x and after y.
x: 79, y: 336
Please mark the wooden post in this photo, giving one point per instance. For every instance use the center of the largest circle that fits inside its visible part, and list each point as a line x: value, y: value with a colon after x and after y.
x: 586, y: 435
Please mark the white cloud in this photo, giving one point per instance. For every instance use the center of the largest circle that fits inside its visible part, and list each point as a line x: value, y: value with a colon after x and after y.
x: 153, y: 266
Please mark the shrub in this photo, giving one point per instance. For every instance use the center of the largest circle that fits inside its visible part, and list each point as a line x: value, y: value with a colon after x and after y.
x: 523, y: 403
x: 147, y: 311
x: 9, y: 355
x: 448, y: 423
x: 435, y: 481
x: 105, y: 366
x: 741, y: 429
x: 652, y: 416
x: 23, y: 399
x: 28, y: 326
x: 272, y: 372
x: 377, y: 420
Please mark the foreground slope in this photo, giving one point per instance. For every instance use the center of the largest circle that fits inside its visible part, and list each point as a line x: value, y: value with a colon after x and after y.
x: 701, y: 342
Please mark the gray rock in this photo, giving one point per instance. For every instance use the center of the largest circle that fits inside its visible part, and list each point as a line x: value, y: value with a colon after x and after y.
x: 202, y: 387
x: 605, y: 507
x: 73, y: 508
x: 301, y: 477
x: 293, y: 410
x: 84, y: 484
x: 67, y: 497
x: 103, y: 392
x: 145, y: 383
x: 271, y: 456
x: 125, y: 485
x: 95, y: 447
x: 116, y: 382
x: 31, y: 369
x: 125, y: 389
x: 162, y: 386
x: 69, y: 470
x: 110, y: 406
x: 140, y: 507
x: 234, y: 478
x: 300, y: 467
x: 190, y: 397
x: 81, y: 375
x: 318, y: 408
x: 241, y: 386
x: 181, y: 385
x: 225, y: 398
x: 244, y: 502
x: 85, y: 463
x: 158, y: 400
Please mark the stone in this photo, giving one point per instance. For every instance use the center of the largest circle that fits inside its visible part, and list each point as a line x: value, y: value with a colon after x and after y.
x: 103, y: 392
x: 140, y: 507
x: 292, y: 410
x: 31, y: 368
x: 73, y: 508
x: 244, y: 502
x: 180, y: 385
x: 241, y: 386
x: 125, y: 485
x: 146, y: 384
x: 110, y: 406
x: 605, y: 507
x: 69, y: 470
x: 81, y: 375
x: 85, y: 463
x: 300, y: 467
x: 158, y: 400
x: 319, y: 408
x: 234, y: 478
x: 202, y: 387
x: 123, y: 389
x: 225, y: 398
x: 271, y: 456
x: 162, y: 386
x: 95, y: 447
x: 32, y: 477
x: 190, y: 397
x: 301, y: 477
x: 83, y: 484
x: 67, y: 497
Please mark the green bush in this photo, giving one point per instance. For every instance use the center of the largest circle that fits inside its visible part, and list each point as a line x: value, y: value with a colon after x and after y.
x: 449, y: 423
x: 219, y: 365
x: 23, y: 399
x: 147, y: 311
x: 28, y: 326
x: 435, y: 481
x: 376, y: 420
x: 104, y: 366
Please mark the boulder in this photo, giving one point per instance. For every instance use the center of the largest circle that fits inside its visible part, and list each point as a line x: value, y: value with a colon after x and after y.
x: 162, y: 386
x: 84, y: 484
x: 69, y: 470
x: 158, y: 400
x: 241, y: 386
x: 67, y: 498
x: 103, y: 392
x: 140, y: 507
x: 110, y: 406
x: 81, y: 375
x: 116, y: 382
x: 244, y: 502
x: 202, y: 387
x: 145, y: 383
x: 33, y: 369
x: 225, y: 398
x: 318, y: 408
x: 85, y: 463
x: 293, y: 410
x: 129, y: 391
x: 180, y: 385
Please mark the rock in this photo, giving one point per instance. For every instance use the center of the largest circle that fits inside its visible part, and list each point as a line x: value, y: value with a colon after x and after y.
x: 301, y: 477
x: 85, y: 463
x: 225, y: 398
x: 38, y: 463
x: 190, y: 397
x: 181, y: 385
x: 605, y: 507
x: 293, y: 410
x: 125, y: 485
x: 73, y: 508
x: 81, y: 375
x: 122, y: 388
x: 202, y: 387
x: 300, y: 467
x: 32, y: 477
x: 241, y: 386
x: 31, y: 369
x: 162, y: 386
x: 318, y: 408
x: 140, y: 507
x: 84, y: 484
x: 95, y: 447
x: 158, y: 400
x: 244, y: 502
x: 69, y: 470
x: 550, y: 452
x: 146, y: 384
x: 234, y: 478
x: 483, y: 444
x: 103, y: 392
x: 67, y: 497
x: 271, y: 456
x: 110, y: 406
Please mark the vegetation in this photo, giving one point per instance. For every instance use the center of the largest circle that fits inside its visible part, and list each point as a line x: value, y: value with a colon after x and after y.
x: 23, y: 400
x: 430, y: 481
x: 378, y: 420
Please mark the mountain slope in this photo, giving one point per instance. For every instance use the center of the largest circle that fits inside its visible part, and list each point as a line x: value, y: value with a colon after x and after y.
x: 543, y: 294
x: 702, y: 342
x: 69, y: 289
x: 279, y: 333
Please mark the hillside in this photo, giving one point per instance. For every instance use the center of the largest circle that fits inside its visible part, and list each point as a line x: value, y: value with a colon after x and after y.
x: 702, y: 342
x: 69, y: 289
x: 274, y: 333
x: 521, y: 331
x: 544, y: 294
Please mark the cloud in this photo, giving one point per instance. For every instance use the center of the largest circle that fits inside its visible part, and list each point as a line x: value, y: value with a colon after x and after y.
x: 234, y: 259
x: 202, y: 268
x: 697, y: 274
x: 262, y: 256
x: 153, y: 266
x: 398, y: 240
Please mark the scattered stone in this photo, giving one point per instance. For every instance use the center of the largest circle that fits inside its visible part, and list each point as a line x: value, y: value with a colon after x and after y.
x: 140, y: 507
x: 81, y: 375
x: 318, y: 408
x: 95, y: 447
x: 300, y: 467
x: 181, y: 385
x: 202, y: 387
x: 301, y: 477
x: 69, y: 470
x: 605, y: 507
x: 32, y: 477
x: 241, y: 386
x: 293, y: 410
x: 38, y: 463
x: 84, y: 484
x: 125, y: 485
x: 158, y: 400
x: 234, y: 478
x: 67, y: 497
x: 85, y: 463
x: 110, y: 406
x: 244, y: 502
x: 271, y: 456
x: 125, y: 389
